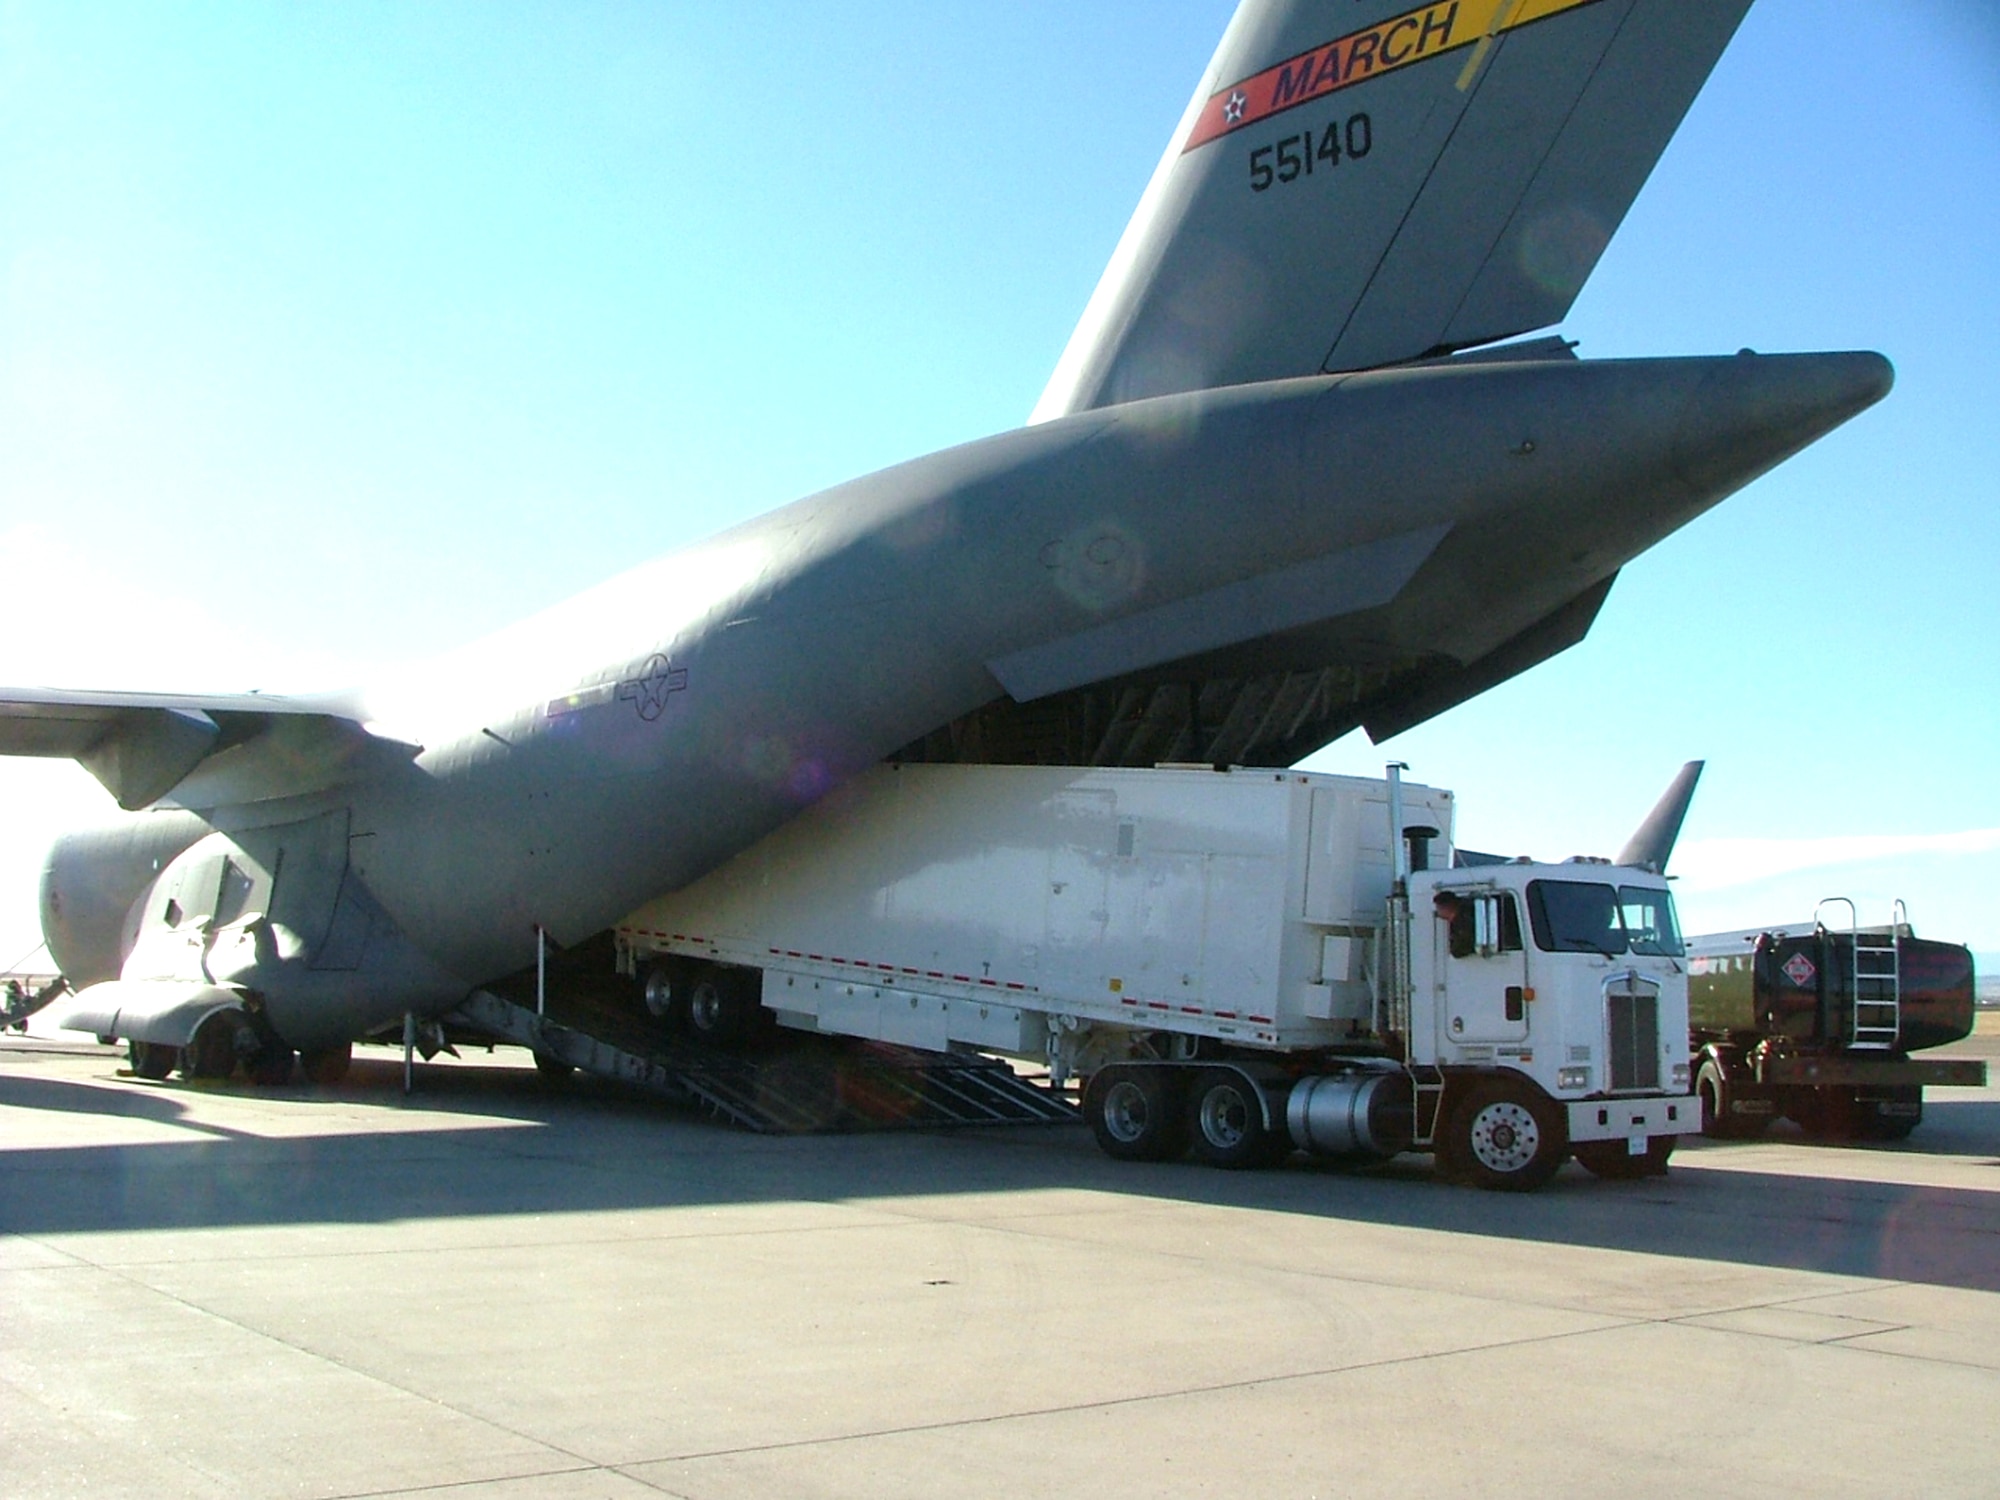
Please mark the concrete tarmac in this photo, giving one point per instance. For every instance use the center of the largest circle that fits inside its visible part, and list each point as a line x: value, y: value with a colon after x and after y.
x: 493, y: 1290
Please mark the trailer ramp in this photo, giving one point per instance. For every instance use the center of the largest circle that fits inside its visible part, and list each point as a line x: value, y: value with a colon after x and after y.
x: 797, y: 1084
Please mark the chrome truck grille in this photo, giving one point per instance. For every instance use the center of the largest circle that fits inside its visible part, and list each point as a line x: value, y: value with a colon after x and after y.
x: 1632, y: 1011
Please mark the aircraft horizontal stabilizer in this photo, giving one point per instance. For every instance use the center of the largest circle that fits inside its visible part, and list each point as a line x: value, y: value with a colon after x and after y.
x: 203, y: 749
x: 1377, y: 182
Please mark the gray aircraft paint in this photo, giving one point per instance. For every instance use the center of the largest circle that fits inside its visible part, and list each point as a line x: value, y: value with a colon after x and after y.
x: 1393, y: 540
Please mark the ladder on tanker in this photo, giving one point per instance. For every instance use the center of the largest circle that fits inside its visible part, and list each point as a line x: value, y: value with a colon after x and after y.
x: 805, y: 1084
x: 1875, y: 979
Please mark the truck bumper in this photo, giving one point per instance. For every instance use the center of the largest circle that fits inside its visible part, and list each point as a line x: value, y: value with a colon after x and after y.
x: 1849, y: 1071
x: 1630, y: 1119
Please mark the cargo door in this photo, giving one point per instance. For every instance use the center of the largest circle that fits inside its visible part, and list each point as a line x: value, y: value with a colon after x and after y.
x: 1482, y: 967
x: 1078, y: 911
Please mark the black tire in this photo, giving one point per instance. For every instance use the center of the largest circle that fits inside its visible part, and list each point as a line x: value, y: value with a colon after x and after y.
x: 1134, y: 1111
x: 553, y: 1069
x: 210, y: 1055
x: 270, y: 1066
x: 1506, y: 1136
x: 1823, y: 1112
x: 722, y: 1006
x: 1614, y: 1162
x: 152, y: 1060
x: 1718, y: 1121
x: 326, y: 1065
x: 1225, y: 1123
x: 1871, y: 1124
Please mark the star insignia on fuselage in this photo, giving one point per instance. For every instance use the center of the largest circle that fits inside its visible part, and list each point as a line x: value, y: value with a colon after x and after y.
x: 1232, y: 108
x: 650, y: 689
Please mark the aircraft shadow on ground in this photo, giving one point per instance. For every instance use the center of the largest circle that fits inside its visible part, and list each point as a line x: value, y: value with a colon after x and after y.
x: 595, y: 1148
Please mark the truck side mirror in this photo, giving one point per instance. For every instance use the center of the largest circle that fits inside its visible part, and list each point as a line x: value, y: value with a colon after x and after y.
x: 1486, y: 925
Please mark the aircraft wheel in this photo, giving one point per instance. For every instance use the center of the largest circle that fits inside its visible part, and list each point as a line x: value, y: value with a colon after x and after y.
x: 271, y: 1065
x: 552, y: 1069
x: 324, y: 1065
x: 1226, y: 1124
x: 1712, y: 1085
x: 153, y: 1060
x: 1506, y: 1136
x: 1135, y: 1114
x: 210, y: 1054
x: 722, y: 1006
x: 1612, y: 1161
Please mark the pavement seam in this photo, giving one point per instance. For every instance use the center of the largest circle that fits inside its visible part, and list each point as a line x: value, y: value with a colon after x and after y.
x: 582, y: 1462
x: 1116, y: 1403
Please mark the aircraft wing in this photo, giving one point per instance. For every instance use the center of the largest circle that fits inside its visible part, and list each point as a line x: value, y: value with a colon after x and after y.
x: 1370, y: 183
x: 193, y: 750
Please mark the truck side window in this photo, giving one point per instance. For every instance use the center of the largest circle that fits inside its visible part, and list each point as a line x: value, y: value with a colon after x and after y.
x: 1455, y: 911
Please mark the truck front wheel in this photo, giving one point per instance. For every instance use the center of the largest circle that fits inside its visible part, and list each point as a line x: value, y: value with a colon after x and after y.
x: 1135, y: 1113
x: 1614, y: 1161
x: 1506, y: 1137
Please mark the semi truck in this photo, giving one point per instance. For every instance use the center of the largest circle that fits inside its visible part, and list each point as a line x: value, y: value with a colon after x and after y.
x: 1233, y: 963
x: 1816, y: 1022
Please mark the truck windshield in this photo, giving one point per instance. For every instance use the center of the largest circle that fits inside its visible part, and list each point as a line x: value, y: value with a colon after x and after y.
x: 1649, y: 921
x: 1575, y: 916
x: 1582, y: 916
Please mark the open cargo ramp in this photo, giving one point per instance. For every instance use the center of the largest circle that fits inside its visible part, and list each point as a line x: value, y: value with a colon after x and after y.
x: 799, y: 1084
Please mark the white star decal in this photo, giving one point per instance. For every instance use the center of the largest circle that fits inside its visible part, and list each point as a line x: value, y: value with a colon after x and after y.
x: 1232, y: 109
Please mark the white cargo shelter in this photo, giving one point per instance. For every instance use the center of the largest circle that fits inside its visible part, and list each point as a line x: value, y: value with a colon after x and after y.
x: 938, y: 904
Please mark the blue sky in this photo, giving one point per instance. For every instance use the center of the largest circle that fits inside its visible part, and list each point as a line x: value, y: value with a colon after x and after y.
x: 334, y: 335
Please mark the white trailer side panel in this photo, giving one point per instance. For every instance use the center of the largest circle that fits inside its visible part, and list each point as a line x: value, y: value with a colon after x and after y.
x: 1184, y: 900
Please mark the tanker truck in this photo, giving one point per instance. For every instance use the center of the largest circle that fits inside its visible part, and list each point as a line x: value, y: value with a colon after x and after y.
x: 1817, y: 1021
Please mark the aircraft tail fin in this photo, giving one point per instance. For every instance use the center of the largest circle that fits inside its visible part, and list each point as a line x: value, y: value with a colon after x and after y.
x: 1652, y: 845
x: 1366, y: 184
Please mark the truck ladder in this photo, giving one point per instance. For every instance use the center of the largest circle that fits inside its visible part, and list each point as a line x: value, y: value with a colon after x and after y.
x: 1875, y: 980
x: 803, y: 1084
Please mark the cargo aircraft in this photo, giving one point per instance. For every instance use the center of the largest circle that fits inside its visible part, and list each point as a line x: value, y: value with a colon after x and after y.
x: 1286, y: 480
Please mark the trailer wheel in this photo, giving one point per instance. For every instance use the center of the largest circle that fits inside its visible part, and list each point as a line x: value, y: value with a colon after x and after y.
x: 722, y: 1006
x: 1712, y: 1086
x: 1822, y: 1111
x: 1613, y: 1162
x: 153, y: 1060
x: 663, y: 990
x: 1506, y: 1137
x: 1135, y: 1114
x: 1226, y: 1124
x: 1872, y: 1124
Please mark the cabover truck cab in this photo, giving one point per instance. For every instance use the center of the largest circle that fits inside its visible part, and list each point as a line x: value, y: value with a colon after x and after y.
x: 1235, y: 963
x: 1817, y: 1022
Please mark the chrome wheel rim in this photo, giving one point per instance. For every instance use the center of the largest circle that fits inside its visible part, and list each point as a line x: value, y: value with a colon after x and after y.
x: 1126, y: 1114
x: 1505, y: 1137
x: 1225, y: 1117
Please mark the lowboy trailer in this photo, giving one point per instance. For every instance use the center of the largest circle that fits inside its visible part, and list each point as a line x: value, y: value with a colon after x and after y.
x: 1234, y: 963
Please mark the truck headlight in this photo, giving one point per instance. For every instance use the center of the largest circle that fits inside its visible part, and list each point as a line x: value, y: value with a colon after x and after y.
x: 1579, y: 1078
x: 1680, y: 1076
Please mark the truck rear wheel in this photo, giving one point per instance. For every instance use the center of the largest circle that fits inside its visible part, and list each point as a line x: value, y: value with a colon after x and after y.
x: 663, y: 989
x: 1226, y: 1123
x: 1891, y: 1117
x: 1719, y: 1121
x: 1506, y: 1137
x: 1135, y: 1113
